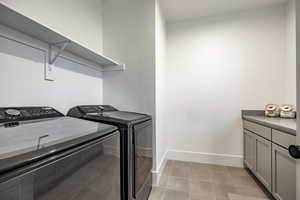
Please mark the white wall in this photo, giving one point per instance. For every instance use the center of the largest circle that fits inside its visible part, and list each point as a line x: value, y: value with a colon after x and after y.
x: 291, y: 54
x: 22, y: 68
x: 129, y: 37
x: 79, y: 20
x: 22, y: 80
x: 129, y: 34
x: 216, y: 67
x: 160, y: 101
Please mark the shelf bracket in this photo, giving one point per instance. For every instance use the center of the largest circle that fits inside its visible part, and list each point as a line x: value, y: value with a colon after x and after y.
x: 60, y: 46
x: 122, y: 67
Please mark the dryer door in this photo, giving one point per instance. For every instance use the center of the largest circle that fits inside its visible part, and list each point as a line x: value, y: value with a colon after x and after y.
x: 142, y: 150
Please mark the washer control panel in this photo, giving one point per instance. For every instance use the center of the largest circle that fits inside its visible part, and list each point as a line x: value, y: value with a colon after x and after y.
x: 16, y: 114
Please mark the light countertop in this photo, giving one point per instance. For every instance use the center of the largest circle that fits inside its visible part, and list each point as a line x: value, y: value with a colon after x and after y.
x: 285, y: 125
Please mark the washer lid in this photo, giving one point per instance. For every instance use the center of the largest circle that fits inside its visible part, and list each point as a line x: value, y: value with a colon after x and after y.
x: 126, y: 116
x: 120, y: 117
x: 46, y: 137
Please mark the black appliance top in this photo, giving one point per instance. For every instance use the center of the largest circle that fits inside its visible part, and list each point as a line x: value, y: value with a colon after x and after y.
x: 108, y: 114
x: 29, y: 134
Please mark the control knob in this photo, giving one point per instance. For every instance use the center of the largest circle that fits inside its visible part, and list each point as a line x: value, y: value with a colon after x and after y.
x: 13, y: 112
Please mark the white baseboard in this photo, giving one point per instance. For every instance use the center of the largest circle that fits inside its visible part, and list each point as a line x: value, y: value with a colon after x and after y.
x: 208, y: 158
x: 156, y: 175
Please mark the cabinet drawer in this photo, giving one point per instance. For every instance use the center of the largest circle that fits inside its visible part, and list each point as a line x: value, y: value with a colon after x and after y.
x: 283, y: 139
x: 258, y: 129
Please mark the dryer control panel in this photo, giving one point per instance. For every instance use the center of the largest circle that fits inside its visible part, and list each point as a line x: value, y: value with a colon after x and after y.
x: 16, y: 114
x: 96, y: 109
x: 80, y: 111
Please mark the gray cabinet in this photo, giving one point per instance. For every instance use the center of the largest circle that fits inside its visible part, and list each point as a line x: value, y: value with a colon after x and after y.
x: 266, y: 155
x: 249, y: 150
x: 263, y: 154
x: 283, y: 174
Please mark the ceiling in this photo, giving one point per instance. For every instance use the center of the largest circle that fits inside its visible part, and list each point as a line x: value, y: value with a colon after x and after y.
x: 179, y: 10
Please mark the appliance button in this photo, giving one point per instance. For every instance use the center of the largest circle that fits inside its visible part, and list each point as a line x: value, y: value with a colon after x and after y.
x: 25, y: 113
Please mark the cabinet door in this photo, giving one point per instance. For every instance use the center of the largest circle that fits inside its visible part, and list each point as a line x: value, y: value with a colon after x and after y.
x: 263, y: 171
x: 249, y: 150
x: 283, y: 174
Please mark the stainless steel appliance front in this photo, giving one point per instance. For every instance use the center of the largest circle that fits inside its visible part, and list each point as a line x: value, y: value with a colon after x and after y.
x: 142, y: 158
x: 87, y: 172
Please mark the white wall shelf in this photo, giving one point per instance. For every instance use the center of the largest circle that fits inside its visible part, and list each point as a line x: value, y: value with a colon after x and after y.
x: 23, y: 24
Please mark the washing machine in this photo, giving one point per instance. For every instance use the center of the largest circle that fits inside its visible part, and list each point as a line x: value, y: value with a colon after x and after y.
x: 45, y: 155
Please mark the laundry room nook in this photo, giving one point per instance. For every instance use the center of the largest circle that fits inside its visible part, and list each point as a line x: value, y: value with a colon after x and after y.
x: 149, y: 100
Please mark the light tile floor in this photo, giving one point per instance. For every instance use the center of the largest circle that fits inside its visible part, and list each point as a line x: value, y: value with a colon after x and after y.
x: 193, y: 181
